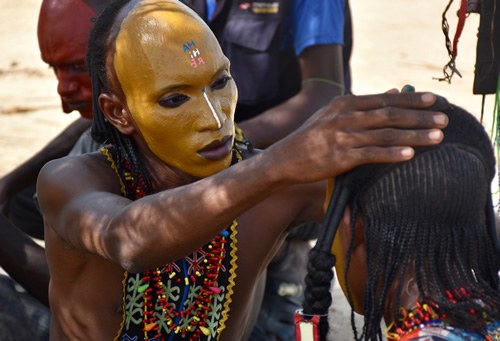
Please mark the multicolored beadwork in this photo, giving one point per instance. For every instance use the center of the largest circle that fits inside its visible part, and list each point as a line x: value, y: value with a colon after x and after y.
x: 187, y: 299
x: 424, y: 322
x: 198, y: 276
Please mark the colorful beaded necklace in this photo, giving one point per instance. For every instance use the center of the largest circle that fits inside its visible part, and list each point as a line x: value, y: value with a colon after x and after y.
x: 422, y: 322
x: 187, y: 299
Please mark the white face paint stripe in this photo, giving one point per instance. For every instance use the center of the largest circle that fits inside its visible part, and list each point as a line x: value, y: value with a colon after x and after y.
x: 219, y: 125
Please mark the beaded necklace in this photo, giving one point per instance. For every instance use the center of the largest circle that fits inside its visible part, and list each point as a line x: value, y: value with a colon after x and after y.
x: 423, y: 322
x: 187, y: 299
x: 200, y: 292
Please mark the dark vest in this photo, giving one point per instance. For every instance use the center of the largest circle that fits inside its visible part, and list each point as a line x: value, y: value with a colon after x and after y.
x: 251, y: 35
x: 487, y: 68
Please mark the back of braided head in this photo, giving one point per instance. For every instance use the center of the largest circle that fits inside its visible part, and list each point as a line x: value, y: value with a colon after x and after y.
x: 434, y: 214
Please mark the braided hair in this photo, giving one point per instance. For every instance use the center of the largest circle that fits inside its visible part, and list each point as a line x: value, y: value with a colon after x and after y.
x: 101, y: 39
x: 432, y: 214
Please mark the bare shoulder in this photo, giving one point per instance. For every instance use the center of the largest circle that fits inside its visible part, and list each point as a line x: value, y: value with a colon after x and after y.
x: 63, y: 178
x: 70, y: 171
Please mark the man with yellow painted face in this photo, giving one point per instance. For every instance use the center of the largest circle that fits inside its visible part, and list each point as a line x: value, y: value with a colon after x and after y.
x: 170, y: 225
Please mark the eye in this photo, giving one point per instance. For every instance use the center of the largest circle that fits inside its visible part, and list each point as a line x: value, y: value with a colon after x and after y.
x: 220, y: 83
x: 173, y: 101
x: 71, y: 68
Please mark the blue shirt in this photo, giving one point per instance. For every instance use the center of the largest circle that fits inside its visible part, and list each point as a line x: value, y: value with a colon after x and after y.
x: 315, y: 22
x: 310, y: 22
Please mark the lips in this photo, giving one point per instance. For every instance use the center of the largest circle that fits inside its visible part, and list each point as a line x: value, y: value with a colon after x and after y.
x: 70, y: 106
x: 218, y: 149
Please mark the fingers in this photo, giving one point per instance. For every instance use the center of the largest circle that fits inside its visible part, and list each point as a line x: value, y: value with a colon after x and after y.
x: 392, y: 117
x: 395, y: 137
x: 413, y: 100
x: 373, y: 154
x: 384, y: 145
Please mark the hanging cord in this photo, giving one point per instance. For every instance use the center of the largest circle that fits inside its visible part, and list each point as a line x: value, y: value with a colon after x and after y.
x: 450, y: 68
x: 483, y: 99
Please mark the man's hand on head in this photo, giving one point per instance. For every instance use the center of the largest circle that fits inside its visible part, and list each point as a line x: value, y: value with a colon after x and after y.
x: 355, y: 130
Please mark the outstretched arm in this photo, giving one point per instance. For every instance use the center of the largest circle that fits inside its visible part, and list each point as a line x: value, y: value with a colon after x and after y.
x: 322, y: 79
x: 90, y: 214
x: 24, y: 260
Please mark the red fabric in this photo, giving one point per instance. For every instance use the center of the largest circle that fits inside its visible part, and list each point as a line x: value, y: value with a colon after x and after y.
x: 462, y: 12
x: 299, y: 319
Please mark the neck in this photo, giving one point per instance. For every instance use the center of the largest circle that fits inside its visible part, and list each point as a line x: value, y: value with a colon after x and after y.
x: 407, y: 298
x: 412, y: 318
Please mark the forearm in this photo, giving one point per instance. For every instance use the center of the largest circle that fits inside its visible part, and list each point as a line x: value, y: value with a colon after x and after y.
x: 322, y: 76
x: 276, y: 123
x: 24, y: 260
x: 183, y: 219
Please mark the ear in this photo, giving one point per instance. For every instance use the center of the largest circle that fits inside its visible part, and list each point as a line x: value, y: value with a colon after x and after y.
x: 345, y: 230
x: 116, y: 113
x: 357, y: 274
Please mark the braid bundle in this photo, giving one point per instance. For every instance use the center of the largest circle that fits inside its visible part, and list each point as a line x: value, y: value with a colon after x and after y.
x: 317, y: 296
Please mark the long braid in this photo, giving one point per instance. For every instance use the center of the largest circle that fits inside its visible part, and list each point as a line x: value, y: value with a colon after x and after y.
x: 350, y: 249
x: 101, y: 40
x: 317, y: 296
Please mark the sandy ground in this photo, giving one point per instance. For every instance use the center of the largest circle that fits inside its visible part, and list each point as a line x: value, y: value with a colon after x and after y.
x: 395, y: 43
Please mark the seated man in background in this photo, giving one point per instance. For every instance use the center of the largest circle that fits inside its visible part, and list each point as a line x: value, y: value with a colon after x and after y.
x: 417, y: 245
x: 63, y: 30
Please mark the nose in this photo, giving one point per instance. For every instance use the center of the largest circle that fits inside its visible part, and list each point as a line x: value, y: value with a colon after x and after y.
x: 214, y: 114
x: 66, y: 85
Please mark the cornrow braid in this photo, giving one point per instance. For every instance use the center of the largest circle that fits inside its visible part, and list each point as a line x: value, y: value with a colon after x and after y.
x: 101, y: 39
x: 408, y: 215
x: 432, y: 218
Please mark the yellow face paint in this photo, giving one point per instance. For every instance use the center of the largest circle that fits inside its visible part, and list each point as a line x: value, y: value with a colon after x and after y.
x: 177, y: 86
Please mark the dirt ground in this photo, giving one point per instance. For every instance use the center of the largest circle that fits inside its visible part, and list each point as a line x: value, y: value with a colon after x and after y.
x: 395, y: 43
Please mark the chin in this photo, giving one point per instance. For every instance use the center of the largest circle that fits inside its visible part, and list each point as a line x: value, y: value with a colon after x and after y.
x: 86, y: 114
x: 212, y: 169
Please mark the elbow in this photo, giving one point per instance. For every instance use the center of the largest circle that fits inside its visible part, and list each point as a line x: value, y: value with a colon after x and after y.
x: 129, y: 252
x: 133, y: 259
x: 133, y: 267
